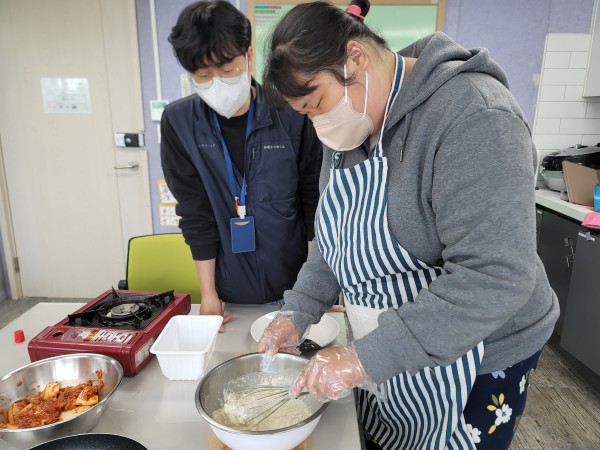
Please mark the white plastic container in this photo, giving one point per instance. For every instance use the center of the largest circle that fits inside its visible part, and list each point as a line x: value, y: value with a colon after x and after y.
x: 185, y: 346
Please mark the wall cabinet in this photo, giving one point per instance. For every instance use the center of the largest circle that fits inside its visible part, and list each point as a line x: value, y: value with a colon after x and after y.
x: 591, y: 87
x: 557, y: 241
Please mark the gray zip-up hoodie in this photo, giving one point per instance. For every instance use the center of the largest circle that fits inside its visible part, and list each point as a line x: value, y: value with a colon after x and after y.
x: 460, y: 195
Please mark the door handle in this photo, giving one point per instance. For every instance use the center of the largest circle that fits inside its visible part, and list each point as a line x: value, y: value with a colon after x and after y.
x: 570, y: 258
x: 132, y: 166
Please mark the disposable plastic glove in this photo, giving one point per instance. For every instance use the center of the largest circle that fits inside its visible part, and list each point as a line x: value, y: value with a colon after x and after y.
x: 331, y: 374
x: 281, y: 335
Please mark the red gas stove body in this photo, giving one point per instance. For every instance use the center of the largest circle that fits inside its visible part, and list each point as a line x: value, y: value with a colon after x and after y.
x: 119, y: 324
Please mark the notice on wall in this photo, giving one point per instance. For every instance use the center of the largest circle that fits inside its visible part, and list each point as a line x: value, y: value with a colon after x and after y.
x: 168, y: 218
x: 156, y: 109
x: 66, y: 95
x: 399, y: 24
x: 165, y: 193
x: 166, y: 207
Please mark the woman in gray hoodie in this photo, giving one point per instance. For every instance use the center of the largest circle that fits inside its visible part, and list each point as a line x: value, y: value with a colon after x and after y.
x: 425, y: 223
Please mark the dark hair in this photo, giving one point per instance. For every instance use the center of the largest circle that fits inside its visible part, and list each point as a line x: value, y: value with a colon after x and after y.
x: 209, y: 32
x: 311, y: 38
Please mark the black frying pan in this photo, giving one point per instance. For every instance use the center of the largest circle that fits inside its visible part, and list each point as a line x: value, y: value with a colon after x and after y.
x: 91, y: 441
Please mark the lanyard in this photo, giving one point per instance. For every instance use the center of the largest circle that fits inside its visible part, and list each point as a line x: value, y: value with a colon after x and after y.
x: 240, y: 199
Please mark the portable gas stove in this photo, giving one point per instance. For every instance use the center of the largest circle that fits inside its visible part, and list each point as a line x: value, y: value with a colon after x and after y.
x: 119, y: 324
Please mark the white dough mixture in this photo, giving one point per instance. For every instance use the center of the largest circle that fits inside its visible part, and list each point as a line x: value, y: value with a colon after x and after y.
x: 241, y: 406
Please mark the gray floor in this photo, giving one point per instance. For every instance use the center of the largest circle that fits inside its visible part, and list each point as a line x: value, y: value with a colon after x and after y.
x: 11, y: 309
x: 562, y: 413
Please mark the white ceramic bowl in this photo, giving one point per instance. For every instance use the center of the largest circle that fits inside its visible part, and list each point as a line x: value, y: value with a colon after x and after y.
x: 209, y: 398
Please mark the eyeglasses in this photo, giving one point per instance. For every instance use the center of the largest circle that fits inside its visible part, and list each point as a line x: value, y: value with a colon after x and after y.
x: 205, y: 80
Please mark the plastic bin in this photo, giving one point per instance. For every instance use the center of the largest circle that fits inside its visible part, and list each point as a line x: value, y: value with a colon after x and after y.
x: 185, y: 346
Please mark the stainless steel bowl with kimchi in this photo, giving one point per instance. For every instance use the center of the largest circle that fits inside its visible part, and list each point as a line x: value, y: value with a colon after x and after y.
x: 56, y: 397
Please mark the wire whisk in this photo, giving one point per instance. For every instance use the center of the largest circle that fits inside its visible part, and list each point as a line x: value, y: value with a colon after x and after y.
x: 252, y: 405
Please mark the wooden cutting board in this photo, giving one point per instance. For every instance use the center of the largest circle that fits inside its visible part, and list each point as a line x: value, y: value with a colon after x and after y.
x: 215, y: 444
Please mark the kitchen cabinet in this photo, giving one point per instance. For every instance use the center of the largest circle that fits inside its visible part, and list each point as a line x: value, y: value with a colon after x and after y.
x: 581, y: 329
x: 557, y: 240
x: 591, y: 86
x: 539, y: 214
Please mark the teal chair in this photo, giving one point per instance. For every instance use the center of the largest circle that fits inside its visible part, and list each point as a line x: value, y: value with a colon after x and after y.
x: 159, y: 263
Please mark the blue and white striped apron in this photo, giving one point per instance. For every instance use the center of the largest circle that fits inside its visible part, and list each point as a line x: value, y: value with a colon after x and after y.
x: 422, y: 411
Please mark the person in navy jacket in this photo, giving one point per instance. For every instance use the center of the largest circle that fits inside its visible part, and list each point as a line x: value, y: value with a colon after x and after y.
x: 245, y: 175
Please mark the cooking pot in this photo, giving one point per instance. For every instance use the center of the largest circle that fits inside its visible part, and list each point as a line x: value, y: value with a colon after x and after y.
x: 551, y: 167
x: 91, y: 441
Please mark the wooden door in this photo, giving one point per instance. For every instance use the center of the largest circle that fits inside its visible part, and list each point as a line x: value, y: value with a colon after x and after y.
x: 69, y: 80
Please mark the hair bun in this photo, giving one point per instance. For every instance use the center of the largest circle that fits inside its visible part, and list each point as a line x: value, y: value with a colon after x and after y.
x: 363, y: 5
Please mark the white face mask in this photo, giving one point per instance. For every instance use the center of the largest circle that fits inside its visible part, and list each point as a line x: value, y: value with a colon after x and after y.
x: 225, y: 98
x: 343, y: 128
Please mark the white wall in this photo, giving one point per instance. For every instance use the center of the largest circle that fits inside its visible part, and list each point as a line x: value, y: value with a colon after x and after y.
x: 563, y: 117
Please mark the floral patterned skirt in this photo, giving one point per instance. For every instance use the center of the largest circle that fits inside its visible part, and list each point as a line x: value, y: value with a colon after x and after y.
x: 496, y: 404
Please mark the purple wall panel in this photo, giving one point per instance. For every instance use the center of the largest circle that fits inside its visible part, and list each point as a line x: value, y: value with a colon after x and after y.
x: 514, y: 31
x: 167, y: 12
x: 452, y: 19
x: 571, y: 16
x: 148, y: 92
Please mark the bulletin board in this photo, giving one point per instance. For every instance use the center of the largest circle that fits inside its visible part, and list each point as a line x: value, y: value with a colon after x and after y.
x: 399, y: 22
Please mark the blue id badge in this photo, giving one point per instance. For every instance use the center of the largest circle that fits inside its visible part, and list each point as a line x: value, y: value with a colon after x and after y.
x: 242, y: 234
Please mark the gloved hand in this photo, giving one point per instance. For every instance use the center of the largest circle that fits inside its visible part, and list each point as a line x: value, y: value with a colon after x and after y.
x: 281, y: 335
x: 331, y: 374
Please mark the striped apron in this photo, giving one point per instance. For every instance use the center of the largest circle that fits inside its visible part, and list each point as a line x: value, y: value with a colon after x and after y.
x: 421, y: 411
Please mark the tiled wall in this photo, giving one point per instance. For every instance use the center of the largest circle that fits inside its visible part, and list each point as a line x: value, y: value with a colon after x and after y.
x: 563, y: 117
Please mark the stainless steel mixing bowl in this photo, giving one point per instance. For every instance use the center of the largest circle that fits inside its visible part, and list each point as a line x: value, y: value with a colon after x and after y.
x: 209, y: 397
x: 68, y: 370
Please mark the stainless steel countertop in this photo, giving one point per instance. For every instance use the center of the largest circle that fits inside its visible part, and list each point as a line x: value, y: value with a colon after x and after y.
x: 161, y: 414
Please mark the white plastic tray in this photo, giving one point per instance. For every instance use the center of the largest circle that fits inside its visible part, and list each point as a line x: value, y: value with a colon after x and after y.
x: 185, y: 346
